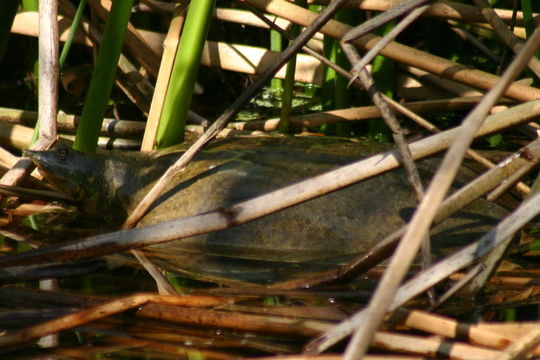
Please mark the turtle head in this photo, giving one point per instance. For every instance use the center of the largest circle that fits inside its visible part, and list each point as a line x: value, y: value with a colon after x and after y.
x: 93, y: 180
x: 75, y: 173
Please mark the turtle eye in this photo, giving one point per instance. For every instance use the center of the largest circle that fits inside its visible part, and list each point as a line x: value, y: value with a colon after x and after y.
x: 62, y: 152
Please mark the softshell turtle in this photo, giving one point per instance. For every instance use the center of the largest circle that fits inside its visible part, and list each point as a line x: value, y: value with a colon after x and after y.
x: 321, y: 231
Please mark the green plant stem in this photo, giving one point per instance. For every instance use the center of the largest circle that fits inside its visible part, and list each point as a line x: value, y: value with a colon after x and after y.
x: 287, y: 98
x: 184, y: 73
x: 342, y: 94
x: 528, y: 21
x: 72, y: 31
x: 329, y: 76
x: 276, y: 44
x: 288, y: 85
x: 101, y: 84
x: 328, y: 84
x: 335, y: 92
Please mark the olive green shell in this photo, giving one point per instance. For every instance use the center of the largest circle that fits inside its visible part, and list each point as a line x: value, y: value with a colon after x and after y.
x: 323, y: 231
x: 320, y: 232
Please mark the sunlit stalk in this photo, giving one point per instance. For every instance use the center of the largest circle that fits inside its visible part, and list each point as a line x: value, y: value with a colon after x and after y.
x: 287, y: 97
x: 184, y: 74
x: 276, y: 44
x: 101, y: 84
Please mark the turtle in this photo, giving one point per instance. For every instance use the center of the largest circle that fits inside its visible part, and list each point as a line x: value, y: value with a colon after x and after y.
x: 317, y: 234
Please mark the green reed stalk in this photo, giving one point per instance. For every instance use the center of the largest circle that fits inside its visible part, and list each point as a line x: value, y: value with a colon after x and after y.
x: 287, y: 97
x: 288, y: 85
x: 71, y: 34
x: 335, y: 92
x: 276, y: 44
x: 528, y: 21
x: 329, y: 75
x: 184, y: 73
x: 342, y: 93
x: 102, y: 81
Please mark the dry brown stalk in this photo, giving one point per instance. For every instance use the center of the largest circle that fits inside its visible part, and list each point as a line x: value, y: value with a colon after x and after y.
x: 167, y: 62
x: 72, y: 320
x: 442, y: 9
x: 256, y: 60
x: 356, y: 113
x: 450, y: 328
x: 512, y: 281
x: 515, y: 331
x: 519, y: 349
x: 160, y: 7
x: 48, y: 91
x: 238, y: 321
x: 66, y: 122
x: 451, y: 86
x: 486, y: 30
x: 8, y: 160
x: 48, y: 71
x: 26, y: 23
x: 431, y: 347
x: 101, y: 311
x: 247, y: 18
x: 15, y: 135
x: 25, y: 210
